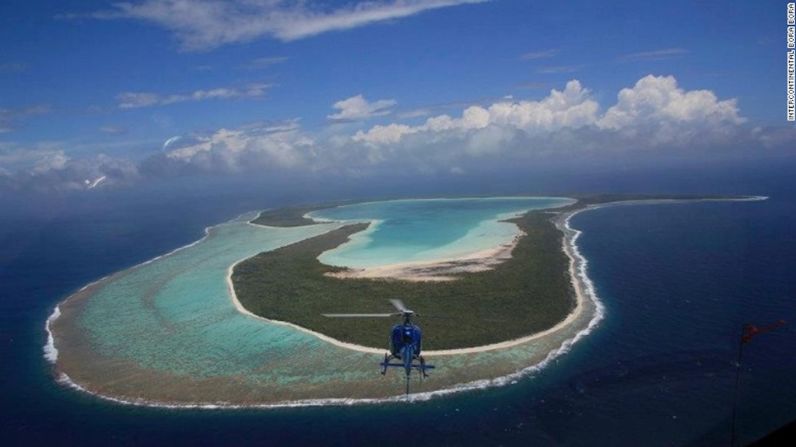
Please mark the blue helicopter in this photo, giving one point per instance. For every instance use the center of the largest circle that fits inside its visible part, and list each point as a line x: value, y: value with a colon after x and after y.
x: 406, y: 341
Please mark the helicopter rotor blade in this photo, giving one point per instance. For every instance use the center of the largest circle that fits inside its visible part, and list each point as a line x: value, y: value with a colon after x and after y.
x: 359, y: 315
x: 398, y: 304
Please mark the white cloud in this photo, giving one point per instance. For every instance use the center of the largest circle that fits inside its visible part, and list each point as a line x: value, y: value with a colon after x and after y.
x: 205, y: 24
x: 654, y: 116
x: 14, y: 157
x: 358, y: 108
x: 49, y: 161
x: 47, y: 167
x: 280, y: 146
x: 654, y: 55
x: 134, y: 100
x: 657, y: 108
x: 571, y: 107
x: 654, y: 112
x: 659, y: 97
x: 381, y: 135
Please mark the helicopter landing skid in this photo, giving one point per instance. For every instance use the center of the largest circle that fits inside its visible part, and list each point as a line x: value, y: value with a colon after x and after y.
x: 422, y: 366
x: 385, y: 363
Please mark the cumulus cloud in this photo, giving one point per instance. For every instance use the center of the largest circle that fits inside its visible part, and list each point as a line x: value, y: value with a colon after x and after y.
x: 358, y: 108
x: 14, y: 157
x: 134, y: 100
x: 206, y: 24
x: 260, y: 146
x: 654, y: 112
x: 47, y: 168
x: 659, y: 110
x: 571, y: 107
x: 654, y: 116
x: 381, y: 135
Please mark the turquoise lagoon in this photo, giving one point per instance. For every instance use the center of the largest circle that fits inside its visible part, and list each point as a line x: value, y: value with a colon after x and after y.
x: 419, y: 230
x: 167, y: 332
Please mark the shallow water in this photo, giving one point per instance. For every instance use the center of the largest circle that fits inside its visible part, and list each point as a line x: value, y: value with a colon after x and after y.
x: 425, y: 230
x: 167, y: 331
x: 175, y: 313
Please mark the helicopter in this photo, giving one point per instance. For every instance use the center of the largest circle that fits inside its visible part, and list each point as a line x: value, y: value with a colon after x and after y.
x: 406, y: 341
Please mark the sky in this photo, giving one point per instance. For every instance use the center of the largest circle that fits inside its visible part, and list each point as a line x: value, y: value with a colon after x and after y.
x: 97, y: 95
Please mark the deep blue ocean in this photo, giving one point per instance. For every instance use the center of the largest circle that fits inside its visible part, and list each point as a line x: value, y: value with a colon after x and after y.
x: 678, y: 281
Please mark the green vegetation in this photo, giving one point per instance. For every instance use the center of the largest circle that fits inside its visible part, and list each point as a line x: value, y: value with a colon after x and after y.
x: 526, y: 294
x: 286, y: 217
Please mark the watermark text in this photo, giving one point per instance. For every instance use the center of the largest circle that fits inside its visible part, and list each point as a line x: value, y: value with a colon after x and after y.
x: 790, y: 79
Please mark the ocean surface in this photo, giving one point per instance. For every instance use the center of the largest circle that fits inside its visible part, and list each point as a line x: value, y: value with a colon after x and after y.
x: 426, y: 230
x: 678, y: 281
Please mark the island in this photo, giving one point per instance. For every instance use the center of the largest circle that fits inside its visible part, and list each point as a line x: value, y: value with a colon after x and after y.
x: 516, y: 290
x: 526, y: 291
x: 235, y: 319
